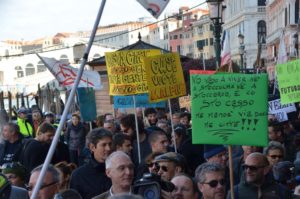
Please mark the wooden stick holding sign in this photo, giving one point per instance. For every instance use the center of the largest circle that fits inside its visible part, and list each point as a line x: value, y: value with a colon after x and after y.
x: 137, y: 129
x: 172, y: 125
x: 231, y: 171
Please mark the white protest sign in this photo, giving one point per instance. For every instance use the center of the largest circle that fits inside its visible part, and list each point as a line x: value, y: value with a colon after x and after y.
x: 279, y: 110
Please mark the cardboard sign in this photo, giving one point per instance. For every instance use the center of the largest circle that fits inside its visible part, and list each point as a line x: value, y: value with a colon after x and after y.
x: 185, y: 102
x: 288, y: 76
x: 141, y: 100
x: 229, y: 109
x: 280, y: 110
x: 164, y: 77
x: 126, y: 71
x: 208, y: 72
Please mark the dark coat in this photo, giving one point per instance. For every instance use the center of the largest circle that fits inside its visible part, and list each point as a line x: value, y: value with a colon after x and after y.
x: 90, y: 179
x: 104, y: 195
x: 16, y: 150
x: 75, y: 136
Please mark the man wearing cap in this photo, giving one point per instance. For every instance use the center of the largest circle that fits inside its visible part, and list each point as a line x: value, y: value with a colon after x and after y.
x: 216, y: 154
x: 170, y: 164
x: 25, y: 127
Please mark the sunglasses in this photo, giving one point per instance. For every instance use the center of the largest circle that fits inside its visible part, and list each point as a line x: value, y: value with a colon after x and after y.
x: 252, y: 168
x: 276, y: 156
x: 150, y: 164
x: 214, y: 183
x: 164, y: 168
x: 30, y: 187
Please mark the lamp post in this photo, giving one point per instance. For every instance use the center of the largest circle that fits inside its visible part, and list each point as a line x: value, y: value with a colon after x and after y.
x: 215, y: 14
x: 242, y: 51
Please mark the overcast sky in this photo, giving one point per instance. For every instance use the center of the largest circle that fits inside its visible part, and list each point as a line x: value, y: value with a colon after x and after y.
x: 32, y: 19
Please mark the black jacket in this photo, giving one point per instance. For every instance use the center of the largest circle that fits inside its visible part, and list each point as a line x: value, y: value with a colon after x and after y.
x: 90, y: 179
x: 10, y: 152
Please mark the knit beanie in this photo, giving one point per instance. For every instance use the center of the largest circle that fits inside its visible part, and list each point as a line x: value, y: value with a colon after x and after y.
x: 15, y: 168
x: 212, y: 150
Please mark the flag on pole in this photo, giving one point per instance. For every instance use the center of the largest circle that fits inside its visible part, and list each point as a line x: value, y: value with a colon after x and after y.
x: 282, y: 54
x: 225, y: 54
x: 155, y: 7
x: 66, y: 74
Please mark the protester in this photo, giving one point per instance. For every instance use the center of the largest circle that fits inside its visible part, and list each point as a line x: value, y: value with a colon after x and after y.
x: 8, y: 191
x: 13, y: 141
x: 283, y: 173
x: 75, y: 137
x: 147, y: 166
x: 50, y: 185
x: 176, y: 118
x: 66, y: 170
x: 25, y: 127
x: 15, y: 173
x: 35, y: 150
x: 37, y: 119
x: 185, y: 119
x: 90, y: 179
x: 255, y: 184
x: 275, y: 132
x: 170, y: 164
x: 119, y: 168
x: 210, y: 179
x: 125, y: 196
x: 110, y: 125
x: 122, y: 142
x: 274, y: 153
x: 180, y: 134
x: 239, y: 161
x: 159, y: 142
x: 100, y: 120
x: 185, y: 187
x: 68, y: 194
x: 151, y: 117
x: 216, y: 154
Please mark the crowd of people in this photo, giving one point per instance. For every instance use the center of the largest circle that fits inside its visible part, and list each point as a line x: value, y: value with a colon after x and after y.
x: 117, y: 158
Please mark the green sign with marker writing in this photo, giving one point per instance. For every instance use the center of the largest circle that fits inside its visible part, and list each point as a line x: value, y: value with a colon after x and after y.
x: 229, y: 109
x: 288, y: 76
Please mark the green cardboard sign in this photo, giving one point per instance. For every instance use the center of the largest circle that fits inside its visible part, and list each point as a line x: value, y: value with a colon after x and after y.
x: 229, y: 109
x: 288, y: 76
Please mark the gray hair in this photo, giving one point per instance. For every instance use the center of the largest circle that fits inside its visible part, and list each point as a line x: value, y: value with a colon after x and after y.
x: 108, y: 161
x: 125, y: 196
x: 207, y: 168
x: 55, y: 173
x: 13, y: 127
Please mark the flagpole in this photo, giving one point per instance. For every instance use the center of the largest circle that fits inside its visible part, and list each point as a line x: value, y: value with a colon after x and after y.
x: 68, y: 104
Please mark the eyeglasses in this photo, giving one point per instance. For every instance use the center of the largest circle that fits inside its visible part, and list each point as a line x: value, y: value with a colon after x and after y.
x: 164, y: 168
x: 252, y: 168
x: 150, y: 164
x: 30, y: 187
x: 214, y: 183
x: 276, y: 156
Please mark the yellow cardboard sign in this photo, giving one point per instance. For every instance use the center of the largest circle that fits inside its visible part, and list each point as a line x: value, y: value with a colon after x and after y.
x: 126, y: 71
x: 165, y: 77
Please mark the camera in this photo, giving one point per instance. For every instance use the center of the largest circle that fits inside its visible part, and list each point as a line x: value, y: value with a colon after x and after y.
x: 150, y: 186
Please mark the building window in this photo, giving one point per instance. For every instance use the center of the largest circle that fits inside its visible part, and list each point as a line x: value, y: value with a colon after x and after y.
x: 29, y: 70
x: 175, y: 37
x: 41, y: 67
x: 20, y: 72
x: 64, y: 59
x: 261, y: 2
x: 261, y: 32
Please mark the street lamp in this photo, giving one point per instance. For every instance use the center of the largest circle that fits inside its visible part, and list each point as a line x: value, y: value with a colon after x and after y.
x: 242, y: 50
x: 215, y: 14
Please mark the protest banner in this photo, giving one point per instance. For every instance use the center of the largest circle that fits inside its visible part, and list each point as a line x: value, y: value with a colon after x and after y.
x: 280, y: 110
x: 185, y: 102
x: 126, y: 71
x: 229, y: 109
x: 142, y: 100
x: 288, y: 76
x: 87, y: 103
x: 208, y: 72
x: 155, y: 7
x: 164, y: 77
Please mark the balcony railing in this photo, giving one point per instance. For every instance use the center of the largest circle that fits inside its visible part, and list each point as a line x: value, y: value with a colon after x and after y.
x: 261, y: 9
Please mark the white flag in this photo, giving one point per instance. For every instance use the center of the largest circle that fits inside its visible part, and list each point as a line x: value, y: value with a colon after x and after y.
x: 155, y: 7
x: 66, y: 74
x: 282, y: 54
x: 225, y: 55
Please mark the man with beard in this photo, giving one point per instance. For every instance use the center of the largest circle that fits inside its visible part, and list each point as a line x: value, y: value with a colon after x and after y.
x: 255, y: 185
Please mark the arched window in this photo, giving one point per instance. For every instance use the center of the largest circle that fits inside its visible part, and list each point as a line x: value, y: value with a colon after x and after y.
x: 29, y: 70
x: 64, y: 59
x: 261, y: 2
x: 41, y: 67
x: 20, y: 72
x: 261, y: 32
